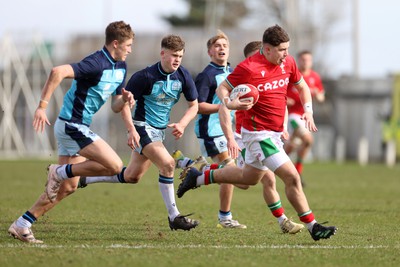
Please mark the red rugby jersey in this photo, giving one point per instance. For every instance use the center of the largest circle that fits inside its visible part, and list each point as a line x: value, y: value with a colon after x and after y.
x: 272, y: 82
x: 314, y: 82
x: 239, y: 114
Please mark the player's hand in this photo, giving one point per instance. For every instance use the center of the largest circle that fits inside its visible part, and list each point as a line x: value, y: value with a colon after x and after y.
x: 236, y: 104
x: 309, y: 121
x: 40, y: 120
x: 233, y: 149
x: 127, y: 96
x: 285, y: 135
x: 177, y: 130
x: 133, y: 139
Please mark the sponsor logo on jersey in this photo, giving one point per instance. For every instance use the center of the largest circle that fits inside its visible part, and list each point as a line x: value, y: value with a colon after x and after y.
x: 277, y: 84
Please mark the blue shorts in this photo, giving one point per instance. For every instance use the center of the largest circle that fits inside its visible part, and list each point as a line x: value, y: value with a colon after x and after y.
x: 148, y: 134
x: 72, y: 137
x: 213, y: 146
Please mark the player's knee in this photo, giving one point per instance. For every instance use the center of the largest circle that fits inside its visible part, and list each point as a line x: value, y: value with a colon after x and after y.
x: 308, y: 140
x: 132, y: 180
x: 168, y: 167
x: 115, y: 167
x: 66, y: 190
x: 131, y: 177
x: 293, y: 180
x: 268, y: 183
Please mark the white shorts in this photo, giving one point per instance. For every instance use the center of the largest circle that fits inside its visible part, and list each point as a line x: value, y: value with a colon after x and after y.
x: 72, y: 137
x: 264, y: 149
x: 240, y: 158
x: 148, y: 134
x: 295, y: 123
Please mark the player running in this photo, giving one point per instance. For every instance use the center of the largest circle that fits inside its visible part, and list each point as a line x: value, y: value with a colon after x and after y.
x: 270, y: 71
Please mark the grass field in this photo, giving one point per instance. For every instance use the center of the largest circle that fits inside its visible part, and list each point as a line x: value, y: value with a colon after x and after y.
x: 126, y: 225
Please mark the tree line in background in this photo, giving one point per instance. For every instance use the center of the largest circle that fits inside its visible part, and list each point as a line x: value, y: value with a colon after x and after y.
x: 311, y: 24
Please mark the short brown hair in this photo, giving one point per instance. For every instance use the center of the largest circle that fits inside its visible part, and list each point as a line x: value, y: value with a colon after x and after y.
x: 275, y: 35
x: 173, y: 42
x: 120, y: 31
x: 251, y: 47
x: 220, y: 35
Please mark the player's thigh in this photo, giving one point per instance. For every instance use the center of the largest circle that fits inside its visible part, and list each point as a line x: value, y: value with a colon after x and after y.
x: 102, y: 153
x: 137, y: 167
x: 160, y: 156
x: 288, y: 173
x: 252, y: 175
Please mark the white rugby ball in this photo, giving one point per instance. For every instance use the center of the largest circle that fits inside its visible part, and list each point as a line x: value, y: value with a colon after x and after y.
x: 246, y: 92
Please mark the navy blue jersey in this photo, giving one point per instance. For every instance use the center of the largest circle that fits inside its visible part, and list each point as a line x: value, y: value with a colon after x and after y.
x: 96, y: 78
x: 207, y: 81
x: 156, y: 92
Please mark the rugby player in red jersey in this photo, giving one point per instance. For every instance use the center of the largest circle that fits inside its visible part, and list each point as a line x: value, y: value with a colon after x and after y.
x: 271, y: 71
x: 296, y: 127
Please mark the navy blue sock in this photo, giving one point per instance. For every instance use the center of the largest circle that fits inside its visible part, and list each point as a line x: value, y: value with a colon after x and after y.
x: 120, y: 176
x: 29, y: 217
x: 68, y: 170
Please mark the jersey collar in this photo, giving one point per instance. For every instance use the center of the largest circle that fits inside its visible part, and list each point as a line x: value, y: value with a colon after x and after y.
x: 226, y: 68
x: 108, y: 55
x: 160, y: 69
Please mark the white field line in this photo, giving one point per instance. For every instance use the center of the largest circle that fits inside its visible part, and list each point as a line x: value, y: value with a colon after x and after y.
x: 123, y: 246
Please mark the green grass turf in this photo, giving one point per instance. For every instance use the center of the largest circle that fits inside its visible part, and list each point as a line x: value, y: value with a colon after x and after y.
x: 126, y: 225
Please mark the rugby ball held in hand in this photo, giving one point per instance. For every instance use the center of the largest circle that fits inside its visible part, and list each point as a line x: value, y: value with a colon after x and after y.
x: 246, y: 92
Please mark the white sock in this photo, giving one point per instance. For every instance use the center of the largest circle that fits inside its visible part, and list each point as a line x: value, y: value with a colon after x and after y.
x: 184, y: 162
x: 281, y: 219
x: 102, y: 179
x: 21, y: 222
x: 310, y: 225
x: 224, y: 217
x: 200, y: 180
x: 168, y: 194
x: 62, y: 172
x: 205, y: 168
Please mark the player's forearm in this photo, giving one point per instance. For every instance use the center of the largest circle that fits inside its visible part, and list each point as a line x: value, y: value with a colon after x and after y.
x: 305, y: 96
x: 127, y: 118
x: 57, y: 74
x: 226, y: 122
x: 207, y: 108
x: 286, y: 119
x: 222, y: 91
x: 190, y: 114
